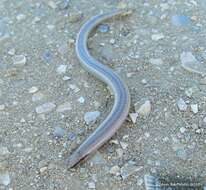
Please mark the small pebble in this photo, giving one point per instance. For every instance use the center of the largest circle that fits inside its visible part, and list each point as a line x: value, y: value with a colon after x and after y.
x: 58, y: 132
x: 74, y: 88
x: 181, y: 105
x: 145, y: 108
x: 4, y: 151
x: 64, y: 4
x: 61, y: 69
x: 65, y: 78
x: 112, y: 41
x: 22, y: 120
x: 157, y: 37
x: 108, y: 53
x: 115, y: 170
x: 133, y: 117
x: 123, y: 145
x: 19, y: 60
x: 194, y: 108
x: 144, y: 81
x: 91, y: 185
x: 45, y: 108
x: 20, y: 17
x: 2, y: 107
x: 5, y: 178
x: 164, y: 6
x: 180, y: 20
x: 191, y: 64
x: 75, y: 17
x: 11, y: 51
x: 140, y: 182
x: 129, y: 169
x: 156, y: 61
x: 97, y: 159
x: 181, y: 153
x: 72, y: 136
x: 37, y: 96
x: 33, y: 89
x: 81, y: 100
x: 4, y: 30
x: 52, y: 4
x: 204, y: 119
x: 91, y: 117
x: 63, y: 48
x: 147, y: 135
x: 43, y: 169
x: 64, y: 107
x: 182, y: 129
x: 120, y: 152
x: 189, y: 92
x: 103, y: 28
x: 47, y: 56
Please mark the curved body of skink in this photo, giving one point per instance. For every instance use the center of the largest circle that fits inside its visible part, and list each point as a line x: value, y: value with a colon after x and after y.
x: 121, y: 105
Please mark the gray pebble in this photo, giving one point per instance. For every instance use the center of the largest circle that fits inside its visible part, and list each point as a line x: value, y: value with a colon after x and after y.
x: 91, y: 117
x: 58, y: 132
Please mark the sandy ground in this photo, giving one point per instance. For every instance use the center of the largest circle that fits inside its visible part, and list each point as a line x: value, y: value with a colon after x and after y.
x: 44, y: 93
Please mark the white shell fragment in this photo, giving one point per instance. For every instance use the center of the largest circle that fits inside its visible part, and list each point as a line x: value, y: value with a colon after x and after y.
x: 33, y: 89
x: 19, y: 60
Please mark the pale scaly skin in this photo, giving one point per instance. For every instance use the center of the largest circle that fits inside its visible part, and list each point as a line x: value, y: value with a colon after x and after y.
x: 121, y: 105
